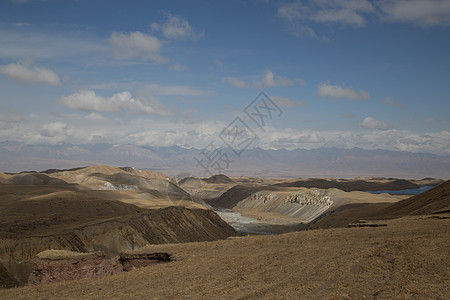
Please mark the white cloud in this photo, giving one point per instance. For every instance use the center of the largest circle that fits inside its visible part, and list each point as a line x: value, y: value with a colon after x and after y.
x: 54, y: 129
x: 310, y: 138
x: 176, y: 28
x: 417, y: 12
x: 198, y: 134
x: 268, y: 80
x: 88, y: 101
x: 136, y: 44
x: 28, y: 74
x: 271, y: 80
x: 235, y: 82
x: 178, y: 68
x: 348, y: 12
x: 336, y: 91
x: 300, y: 14
x: 371, y: 123
x: 391, y: 102
x: 395, y: 140
x: 288, y: 102
x: 288, y: 138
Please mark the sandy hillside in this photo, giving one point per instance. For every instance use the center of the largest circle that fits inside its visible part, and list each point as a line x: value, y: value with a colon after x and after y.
x: 4, y: 177
x: 85, y: 210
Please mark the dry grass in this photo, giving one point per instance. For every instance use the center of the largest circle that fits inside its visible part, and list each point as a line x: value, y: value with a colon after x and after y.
x: 408, y: 259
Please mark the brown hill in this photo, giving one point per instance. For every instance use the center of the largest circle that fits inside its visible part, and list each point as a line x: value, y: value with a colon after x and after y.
x: 432, y: 201
x: 86, y: 170
x: 4, y: 177
x: 352, y: 184
x: 163, y: 186
x: 232, y: 197
x: 219, y: 178
x: 347, y: 214
x: 34, y: 179
x: 147, y: 173
x: 32, y: 211
x: 108, y: 170
x: 191, y: 182
x: 34, y: 218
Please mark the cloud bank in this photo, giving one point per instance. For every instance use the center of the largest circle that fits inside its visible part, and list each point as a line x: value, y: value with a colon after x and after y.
x: 269, y: 79
x: 136, y: 44
x: 371, y: 123
x: 90, y: 102
x: 28, y: 74
x: 301, y: 15
x: 176, y: 28
x: 337, y: 92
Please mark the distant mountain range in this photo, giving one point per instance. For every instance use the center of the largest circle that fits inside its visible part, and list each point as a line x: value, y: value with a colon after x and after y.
x: 175, y: 160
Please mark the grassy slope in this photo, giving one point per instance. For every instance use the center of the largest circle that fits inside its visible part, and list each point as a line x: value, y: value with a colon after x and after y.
x: 407, y: 259
x: 434, y: 200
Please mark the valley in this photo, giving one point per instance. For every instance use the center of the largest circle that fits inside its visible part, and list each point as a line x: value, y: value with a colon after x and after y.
x: 99, y: 216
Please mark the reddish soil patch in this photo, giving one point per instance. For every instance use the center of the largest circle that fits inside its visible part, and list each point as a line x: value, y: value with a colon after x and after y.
x: 89, y: 266
x: 95, y: 265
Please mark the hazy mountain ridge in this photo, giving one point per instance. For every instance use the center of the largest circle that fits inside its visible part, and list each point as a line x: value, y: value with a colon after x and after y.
x: 320, y: 162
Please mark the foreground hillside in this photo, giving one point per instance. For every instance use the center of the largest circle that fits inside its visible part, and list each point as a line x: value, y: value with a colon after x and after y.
x: 407, y: 259
x: 97, y: 208
x: 103, y: 211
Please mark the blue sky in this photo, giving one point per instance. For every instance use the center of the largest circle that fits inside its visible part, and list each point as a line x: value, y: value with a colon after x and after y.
x: 368, y: 74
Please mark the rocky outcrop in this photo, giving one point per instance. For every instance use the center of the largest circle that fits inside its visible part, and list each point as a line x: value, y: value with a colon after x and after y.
x: 60, y: 265
x: 76, y: 266
x: 118, y: 187
x: 132, y: 261
x: 310, y: 197
x: 364, y: 223
x: 167, y: 225
x: 304, y: 205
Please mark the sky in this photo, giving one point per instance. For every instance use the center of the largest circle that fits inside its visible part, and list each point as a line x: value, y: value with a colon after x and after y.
x: 343, y: 73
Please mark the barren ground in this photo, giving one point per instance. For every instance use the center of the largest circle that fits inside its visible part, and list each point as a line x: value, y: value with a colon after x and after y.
x: 407, y: 259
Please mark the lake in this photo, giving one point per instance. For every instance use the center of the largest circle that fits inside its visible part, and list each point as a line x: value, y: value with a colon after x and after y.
x: 422, y: 189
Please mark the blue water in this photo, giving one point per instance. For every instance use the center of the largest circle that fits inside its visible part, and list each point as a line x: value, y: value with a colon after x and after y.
x: 422, y: 189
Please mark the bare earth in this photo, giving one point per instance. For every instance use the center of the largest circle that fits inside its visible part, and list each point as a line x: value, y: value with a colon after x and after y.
x: 117, y: 210
x: 407, y: 259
